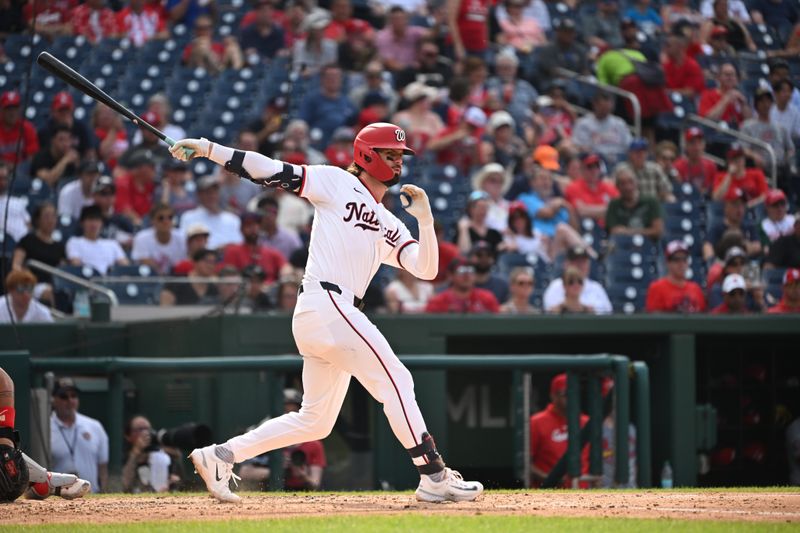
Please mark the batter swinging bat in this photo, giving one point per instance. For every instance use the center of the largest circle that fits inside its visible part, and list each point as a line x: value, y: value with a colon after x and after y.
x: 70, y: 76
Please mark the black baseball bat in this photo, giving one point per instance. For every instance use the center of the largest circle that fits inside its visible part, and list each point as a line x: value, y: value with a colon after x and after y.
x: 72, y: 77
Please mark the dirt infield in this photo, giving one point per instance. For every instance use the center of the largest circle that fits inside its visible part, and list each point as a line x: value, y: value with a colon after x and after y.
x: 748, y: 506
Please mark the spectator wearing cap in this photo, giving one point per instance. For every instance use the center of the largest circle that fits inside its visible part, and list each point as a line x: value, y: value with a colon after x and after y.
x: 115, y: 225
x: 264, y: 38
x: 78, y: 443
x: 142, y: 21
x: 196, y: 239
x: 514, y: 94
x: 19, y: 287
x: 549, y: 434
x: 176, y: 188
x: 160, y: 110
x: 57, y: 159
x: 733, y: 289
x: 462, y: 296
x: 494, y: 180
x: 719, y: 50
x: 250, y: 252
x: 419, y: 122
x: 650, y: 179
x: 458, y: 144
x: 736, y: 32
x: 785, y: 251
x: 555, y: 118
x: 135, y: 190
x: 633, y: 213
x: 148, y: 146
x: 501, y: 144
x: 315, y: 51
x: 725, y: 102
x: 429, y: 67
x: 474, y: 225
x: 590, y: 194
x: 406, y: 294
x: 329, y: 108
x: 734, y: 261
x: 206, y: 53
x: 198, y: 291
x: 40, y: 245
x: 693, y: 166
x: 591, y: 295
x: 674, y: 293
x: 738, y: 180
x: 519, y: 30
x: 602, y: 132
x: 642, y: 14
x: 733, y: 218
x: 162, y: 245
x: 339, y: 152
x: 90, y: 248
x: 483, y: 258
x: 565, y: 51
x: 783, y: 113
x: 78, y: 193
x: 468, y: 26
x: 49, y: 17
x: 267, y: 126
x: 62, y: 111
x: 13, y: 127
x: 94, y: 21
x: 224, y: 226
x: 761, y: 127
x: 111, y: 134
x: 273, y: 234
x: 236, y: 192
x: 790, y: 301
x: 16, y: 221
x: 682, y: 73
x: 778, y: 223
x: 520, y: 282
x: 602, y: 30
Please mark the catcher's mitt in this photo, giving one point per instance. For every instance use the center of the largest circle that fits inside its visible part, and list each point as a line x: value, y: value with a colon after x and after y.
x: 13, y: 474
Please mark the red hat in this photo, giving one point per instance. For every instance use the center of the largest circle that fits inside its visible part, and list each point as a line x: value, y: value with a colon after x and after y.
x: 775, y: 196
x: 62, y: 100
x: 676, y: 247
x: 792, y: 275
x: 516, y: 205
x: 558, y: 384
x: 693, y: 133
x: 719, y: 31
x: 735, y: 150
x: 591, y: 159
x: 151, y: 117
x: 374, y: 137
x: 10, y: 99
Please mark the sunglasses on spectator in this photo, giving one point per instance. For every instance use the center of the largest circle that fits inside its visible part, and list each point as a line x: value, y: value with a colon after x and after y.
x: 573, y: 281
x: 678, y: 258
x: 524, y: 282
x: 162, y: 217
x: 466, y: 269
x: 739, y: 293
x: 737, y: 262
x: 67, y: 395
x: 593, y: 165
x: 24, y: 288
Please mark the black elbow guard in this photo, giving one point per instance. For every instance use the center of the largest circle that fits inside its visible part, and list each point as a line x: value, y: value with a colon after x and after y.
x: 234, y: 166
x: 286, y: 179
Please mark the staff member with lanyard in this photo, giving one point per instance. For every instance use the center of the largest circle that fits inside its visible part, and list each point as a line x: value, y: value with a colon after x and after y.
x: 78, y: 444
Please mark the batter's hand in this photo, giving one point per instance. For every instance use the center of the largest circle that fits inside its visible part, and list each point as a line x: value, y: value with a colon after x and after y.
x: 187, y: 149
x: 420, y: 207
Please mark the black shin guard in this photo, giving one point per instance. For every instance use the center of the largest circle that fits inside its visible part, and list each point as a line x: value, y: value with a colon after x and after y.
x: 427, y: 449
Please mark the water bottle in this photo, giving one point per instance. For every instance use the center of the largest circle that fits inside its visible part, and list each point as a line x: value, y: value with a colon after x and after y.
x: 81, y: 305
x: 666, y: 476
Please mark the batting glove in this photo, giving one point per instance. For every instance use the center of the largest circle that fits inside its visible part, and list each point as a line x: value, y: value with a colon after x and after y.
x: 187, y: 149
x: 420, y: 207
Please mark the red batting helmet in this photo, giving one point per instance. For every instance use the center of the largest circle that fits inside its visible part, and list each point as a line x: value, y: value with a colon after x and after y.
x: 380, y: 135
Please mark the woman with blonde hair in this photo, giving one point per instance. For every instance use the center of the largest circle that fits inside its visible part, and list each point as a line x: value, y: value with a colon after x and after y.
x: 521, y: 285
x: 573, y: 285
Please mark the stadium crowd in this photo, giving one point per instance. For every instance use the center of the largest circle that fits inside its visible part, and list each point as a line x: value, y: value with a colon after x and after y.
x: 552, y: 192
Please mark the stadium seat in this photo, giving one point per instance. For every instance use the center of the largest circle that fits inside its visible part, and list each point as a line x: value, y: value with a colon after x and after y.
x: 633, y: 243
x: 130, y: 292
x: 627, y: 298
x: 773, y: 279
x: 67, y: 227
x: 22, y: 46
x: 7, y: 245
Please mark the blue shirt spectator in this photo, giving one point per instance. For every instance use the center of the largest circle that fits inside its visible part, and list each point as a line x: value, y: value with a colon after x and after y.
x: 545, y: 209
x: 329, y: 108
x: 186, y: 11
x: 262, y: 36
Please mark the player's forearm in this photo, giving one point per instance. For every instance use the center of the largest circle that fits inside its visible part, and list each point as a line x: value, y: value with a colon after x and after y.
x: 422, y: 261
x: 257, y: 165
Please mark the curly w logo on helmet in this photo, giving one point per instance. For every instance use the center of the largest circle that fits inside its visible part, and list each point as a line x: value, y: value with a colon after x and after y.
x: 400, y: 135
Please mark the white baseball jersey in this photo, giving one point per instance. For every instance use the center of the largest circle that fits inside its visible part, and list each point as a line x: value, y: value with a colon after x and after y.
x: 352, y: 234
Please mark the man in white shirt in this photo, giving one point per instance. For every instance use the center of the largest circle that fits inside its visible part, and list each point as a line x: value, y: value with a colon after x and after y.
x: 602, y: 132
x: 19, y: 290
x: 593, y: 294
x: 783, y: 113
x: 19, y: 220
x: 78, y: 193
x: 78, y: 444
x: 90, y: 249
x: 162, y: 245
x: 224, y: 226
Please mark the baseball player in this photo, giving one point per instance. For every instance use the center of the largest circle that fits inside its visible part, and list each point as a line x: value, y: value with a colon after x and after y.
x: 19, y: 473
x: 352, y: 234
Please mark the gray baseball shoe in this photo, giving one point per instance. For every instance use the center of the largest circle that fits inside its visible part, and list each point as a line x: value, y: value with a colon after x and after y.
x: 452, y: 488
x: 216, y: 473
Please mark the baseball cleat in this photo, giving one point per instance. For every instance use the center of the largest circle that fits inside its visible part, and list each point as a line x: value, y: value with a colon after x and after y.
x: 74, y: 491
x: 451, y: 488
x: 216, y: 473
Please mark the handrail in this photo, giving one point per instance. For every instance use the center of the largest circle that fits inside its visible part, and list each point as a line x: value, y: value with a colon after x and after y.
x: 591, y: 80
x: 38, y: 265
x: 742, y: 137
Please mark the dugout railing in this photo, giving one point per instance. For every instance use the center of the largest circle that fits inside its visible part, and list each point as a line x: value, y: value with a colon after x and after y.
x: 593, y: 368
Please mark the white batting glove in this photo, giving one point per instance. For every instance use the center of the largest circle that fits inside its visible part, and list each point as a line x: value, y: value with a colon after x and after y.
x: 420, y: 207
x: 187, y: 149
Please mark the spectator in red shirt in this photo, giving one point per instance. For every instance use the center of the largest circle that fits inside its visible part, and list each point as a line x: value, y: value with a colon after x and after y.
x: 447, y: 253
x: 249, y: 252
x: 94, y: 21
x: 342, y: 22
x: 11, y: 122
x: 725, y: 102
x: 468, y: 23
x: 140, y: 22
x: 458, y: 145
x: 750, y: 181
x: 693, y: 167
x: 135, y: 189
x: 463, y: 296
x: 590, y: 194
x: 674, y: 293
x: 734, y: 291
x: 790, y: 303
x: 111, y: 133
x: 197, y: 236
x: 51, y: 17
x: 683, y: 74
x: 549, y: 433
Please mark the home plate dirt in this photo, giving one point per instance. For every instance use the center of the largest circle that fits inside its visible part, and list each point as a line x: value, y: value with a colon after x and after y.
x: 706, y: 505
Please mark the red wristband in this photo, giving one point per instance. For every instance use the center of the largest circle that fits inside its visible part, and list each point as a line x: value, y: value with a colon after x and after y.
x: 7, y: 417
